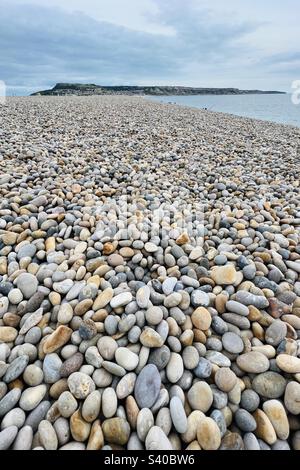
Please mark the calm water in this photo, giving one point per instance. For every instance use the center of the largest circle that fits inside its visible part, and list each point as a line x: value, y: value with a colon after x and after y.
x: 277, y: 108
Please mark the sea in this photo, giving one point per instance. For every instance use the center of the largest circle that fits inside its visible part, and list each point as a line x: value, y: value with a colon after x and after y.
x: 276, y: 108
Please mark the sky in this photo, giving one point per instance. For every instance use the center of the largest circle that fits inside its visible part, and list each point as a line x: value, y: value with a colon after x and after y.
x: 247, y: 44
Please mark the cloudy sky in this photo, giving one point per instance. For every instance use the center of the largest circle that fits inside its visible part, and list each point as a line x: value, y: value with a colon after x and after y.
x: 214, y: 43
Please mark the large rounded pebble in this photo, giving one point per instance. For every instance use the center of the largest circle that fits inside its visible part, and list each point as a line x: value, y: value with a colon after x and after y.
x: 28, y: 284
x: 233, y: 343
x: 178, y: 415
x: 126, y: 358
x: 200, y: 396
x: 253, y: 362
x: 116, y: 431
x: 157, y: 440
x: 208, y: 434
x: 16, y: 368
x: 289, y: 364
x: 24, y: 438
x: 32, y: 396
x: 80, y: 385
x: 269, y: 384
x: 147, y: 386
x: 277, y: 415
x: 47, y: 435
x: 292, y: 398
x: 7, y: 437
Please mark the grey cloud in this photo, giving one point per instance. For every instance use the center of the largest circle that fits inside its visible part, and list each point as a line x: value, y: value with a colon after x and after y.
x: 41, y: 46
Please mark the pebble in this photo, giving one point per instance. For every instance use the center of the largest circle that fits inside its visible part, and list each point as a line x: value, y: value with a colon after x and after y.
x: 51, y: 368
x: 269, y: 384
x: 16, y: 368
x: 200, y: 396
x: 174, y: 368
x: 7, y: 437
x: 126, y: 358
x: 147, y: 386
x: 145, y: 421
x: 32, y: 396
x: 47, y: 435
x: 289, y: 364
x: 121, y: 300
x: 116, y: 431
x: 27, y: 284
x: 278, y: 417
x: 24, y: 438
x: 292, y: 397
x: 245, y: 421
x: 80, y: 385
x: 253, y: 362
x: 157, y: 440
x: 208, y: 434
x: 233, y: 343
x: 178, y: 415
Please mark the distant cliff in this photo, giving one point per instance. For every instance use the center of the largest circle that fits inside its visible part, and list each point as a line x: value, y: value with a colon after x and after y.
x: 63, y: 89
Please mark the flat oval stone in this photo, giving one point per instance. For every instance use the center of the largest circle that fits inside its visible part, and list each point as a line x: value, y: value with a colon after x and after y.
x: 125, y: 386
x: 245, y: 421
x: 253, y: 362
x: 178, y: 415
x: 174, y: 368
x: 126, y: 358
x: 35, y: 417
x: 292, y: 398
x: 269, y: 384
x: 232, y: 343
x: 145, y: 421
x: 71, y: 365
x: 31, y: 397
x: 160, y: 357
x: 151, y: 339
x: 47, y: 435
x: 232, y: 441
x: 208, y: 434
x: 276, y: 333
x: 24, y: 438
x: 143, y: 297
x: 116, y: 431
x: 8, y: 334
x: 80, y: 385
x: 7, y: 437
x: 238, y: 308
x: 200, y: 396
x: 57, y: 339
x: 28, y: 284
x: 157, y: 440
x: 278, y: 417
x: 218, y: 358
x: 91, y: 407
x: 16, y: 368
x: 264, y: 430
x: 289, y: 364
x: 51, y: 368
x: 121, y: 300
x: 15, y: 417
x: 109, y: 402
x: 203, y: 369
x: 147, y: 386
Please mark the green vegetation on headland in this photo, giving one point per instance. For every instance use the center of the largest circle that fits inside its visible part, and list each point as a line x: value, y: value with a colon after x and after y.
x: 63, y: 89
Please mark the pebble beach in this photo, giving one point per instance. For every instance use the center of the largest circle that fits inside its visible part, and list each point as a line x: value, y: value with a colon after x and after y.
x: 149, y: 277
